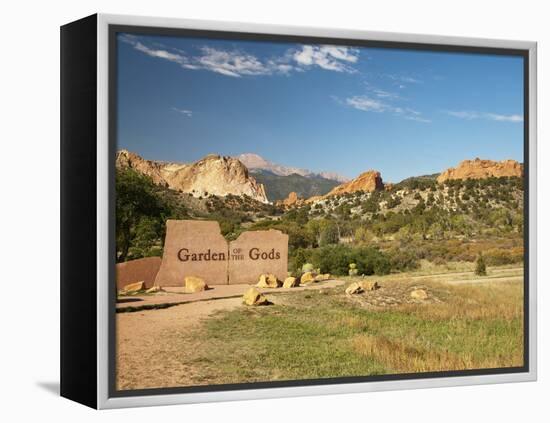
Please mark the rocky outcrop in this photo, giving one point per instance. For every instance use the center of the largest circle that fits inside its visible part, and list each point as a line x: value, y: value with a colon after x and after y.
x: 481, y: 169
x: 212, y: 175
x: 291, y: 201
x: 127, y: 159
x: 217, y: 175
x: 368, y: 181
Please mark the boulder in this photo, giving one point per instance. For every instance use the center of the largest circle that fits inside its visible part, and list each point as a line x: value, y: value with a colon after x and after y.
x: 194, y: 284
x: 253, y: 297
x: 369, y: 285
x: 291, y: 282
x: 307, y: 277
x: 154, y: 289
x: 354, y: 288
x: 134, y: 287
x: 419, y: 294
x: 268, y: 281
x: 323, y: 277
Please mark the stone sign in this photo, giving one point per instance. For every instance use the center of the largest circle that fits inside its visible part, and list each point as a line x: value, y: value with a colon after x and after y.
x: 143, y: 269
x: 193, y: 248
x: 257, y: 252
x: 197, y: 248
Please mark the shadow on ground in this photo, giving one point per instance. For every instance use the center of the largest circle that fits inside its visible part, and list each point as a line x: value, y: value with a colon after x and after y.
x: 51, y: 387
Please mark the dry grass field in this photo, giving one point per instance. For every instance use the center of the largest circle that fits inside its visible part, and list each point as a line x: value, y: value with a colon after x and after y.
x: 466, y: 322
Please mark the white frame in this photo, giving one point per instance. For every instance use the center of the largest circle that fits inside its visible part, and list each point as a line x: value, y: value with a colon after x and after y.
x: 103, y: 400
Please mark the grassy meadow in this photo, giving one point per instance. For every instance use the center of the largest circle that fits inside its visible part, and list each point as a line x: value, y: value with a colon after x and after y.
x: 322, y: 334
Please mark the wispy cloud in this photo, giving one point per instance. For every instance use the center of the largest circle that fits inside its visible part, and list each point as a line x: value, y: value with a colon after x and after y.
x: 238, y: 63
x: 187, y: 113
x: 369, y: 104
x: 401, y: 81
x: 470, y: 115
x: 334, y: 58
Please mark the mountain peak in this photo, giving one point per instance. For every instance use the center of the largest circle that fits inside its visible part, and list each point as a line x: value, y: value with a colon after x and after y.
x: 255, y: 162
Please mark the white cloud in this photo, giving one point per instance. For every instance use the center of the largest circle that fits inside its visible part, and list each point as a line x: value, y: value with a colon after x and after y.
x: 333, y: 58
x: 369, y: 104
x: 184, y: 112
x: 237, y: 63
x: 366, y: 104
x: 470, y: 115
x: 505, y: 118
x: 403, y: 79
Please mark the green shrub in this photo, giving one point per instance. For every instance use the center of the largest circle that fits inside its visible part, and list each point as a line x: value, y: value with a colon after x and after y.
x: 481, y: 269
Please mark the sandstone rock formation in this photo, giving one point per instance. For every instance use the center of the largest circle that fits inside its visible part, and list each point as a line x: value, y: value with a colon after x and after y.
x: 195, y: 284
x: 127, y: 159
x: 213, y: 174
x: 291, y: 201
x: 368, y: 181
x: 253, y: 297
x: 481, y: 169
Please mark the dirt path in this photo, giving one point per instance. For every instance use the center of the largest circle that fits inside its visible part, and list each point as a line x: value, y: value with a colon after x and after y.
x: 149, y: 344
x: 154, y: 348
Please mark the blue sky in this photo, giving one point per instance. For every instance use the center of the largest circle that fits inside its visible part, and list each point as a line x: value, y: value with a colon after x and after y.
x: 325, y: 108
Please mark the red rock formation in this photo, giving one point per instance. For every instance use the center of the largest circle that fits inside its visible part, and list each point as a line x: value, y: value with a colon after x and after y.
x: 291, y: 201
x: 368, y: 181
x: 482, y: 169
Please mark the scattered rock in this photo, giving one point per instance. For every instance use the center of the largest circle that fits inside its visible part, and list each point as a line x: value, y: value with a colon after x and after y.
x: 354, y: 288
x: 419, y: 294
x: 324, y: 277
x: 369, y: 285
x: 307, y: 277
x: 290, y: 282
x: 154, y: 289
x: 253, y: 297
x: 194, y: 284
x: 268, y: 281
x: 134, y: 287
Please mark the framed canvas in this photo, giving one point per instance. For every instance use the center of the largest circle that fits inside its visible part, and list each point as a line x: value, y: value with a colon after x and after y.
x: 253, y: 211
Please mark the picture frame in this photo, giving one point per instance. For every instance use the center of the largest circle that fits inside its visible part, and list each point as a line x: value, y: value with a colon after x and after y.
x: 89, y: 107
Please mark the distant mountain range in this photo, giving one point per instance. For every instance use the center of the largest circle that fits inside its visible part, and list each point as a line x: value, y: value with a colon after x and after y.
x: 252, y: 176
x: 278, y: 187
x: 256, y: 163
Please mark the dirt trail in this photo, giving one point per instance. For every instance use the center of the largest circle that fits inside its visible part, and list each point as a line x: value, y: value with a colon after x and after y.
x: 149, y: 344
